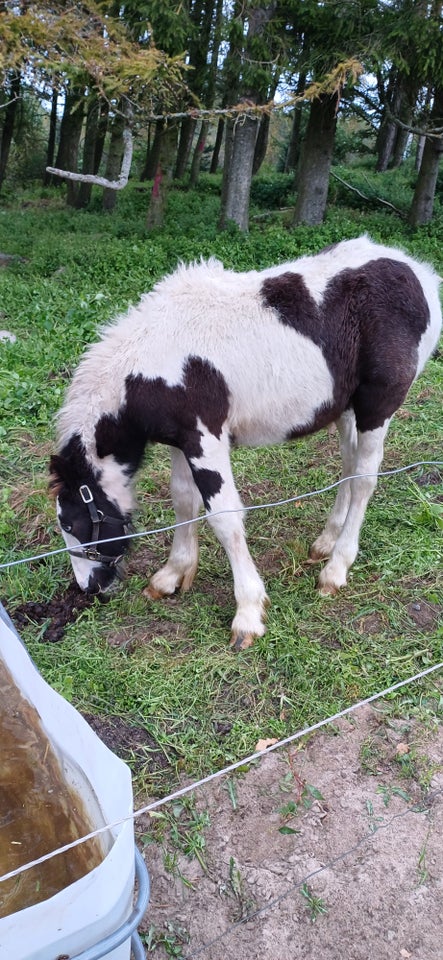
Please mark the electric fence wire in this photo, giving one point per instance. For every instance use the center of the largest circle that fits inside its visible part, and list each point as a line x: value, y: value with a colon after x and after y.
x: 244, y: 509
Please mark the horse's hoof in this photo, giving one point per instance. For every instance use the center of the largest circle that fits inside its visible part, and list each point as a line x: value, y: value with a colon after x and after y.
x: 331, y: 579
x: 316, y: 556
x: 320, y: 551
x: 328, y: 590
x: 152, y: 593
x: 187, y: 581
x: 241, y: 641
x: 313, y: 558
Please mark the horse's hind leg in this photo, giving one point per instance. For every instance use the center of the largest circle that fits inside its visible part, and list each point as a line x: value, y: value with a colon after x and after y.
x: 368, y: 457
x: 180, y: 570
x: 324, y: 544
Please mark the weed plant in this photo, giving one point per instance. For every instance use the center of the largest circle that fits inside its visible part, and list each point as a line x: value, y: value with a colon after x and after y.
x: 203, y: 705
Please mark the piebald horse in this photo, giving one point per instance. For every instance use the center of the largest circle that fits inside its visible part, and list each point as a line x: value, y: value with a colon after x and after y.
x: 211, y: 358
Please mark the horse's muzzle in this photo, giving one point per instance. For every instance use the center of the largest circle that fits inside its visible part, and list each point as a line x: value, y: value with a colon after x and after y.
x: 103, y: 580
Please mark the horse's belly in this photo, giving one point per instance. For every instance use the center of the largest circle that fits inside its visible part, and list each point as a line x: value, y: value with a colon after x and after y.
x: 270, y: 402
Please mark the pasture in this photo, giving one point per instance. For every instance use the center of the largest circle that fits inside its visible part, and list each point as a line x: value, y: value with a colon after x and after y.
x: 158, y: 679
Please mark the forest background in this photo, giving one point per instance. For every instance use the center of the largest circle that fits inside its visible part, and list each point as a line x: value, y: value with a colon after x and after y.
x: 200, y: 84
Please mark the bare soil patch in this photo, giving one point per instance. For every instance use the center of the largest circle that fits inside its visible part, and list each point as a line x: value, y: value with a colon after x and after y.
x: 130, y: 741
x: 54, y: 615
x: 332, y: 850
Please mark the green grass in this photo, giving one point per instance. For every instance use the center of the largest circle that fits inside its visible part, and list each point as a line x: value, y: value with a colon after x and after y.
x: 174, y: 673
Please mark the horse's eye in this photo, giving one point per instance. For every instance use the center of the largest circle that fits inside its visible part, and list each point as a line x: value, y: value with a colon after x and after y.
x: 67, y: 527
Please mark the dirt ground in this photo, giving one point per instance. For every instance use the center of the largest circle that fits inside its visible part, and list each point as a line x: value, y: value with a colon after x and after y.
x: 351, y: 869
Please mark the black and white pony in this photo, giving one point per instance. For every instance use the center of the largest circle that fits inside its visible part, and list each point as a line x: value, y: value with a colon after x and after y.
x: 212, y: 358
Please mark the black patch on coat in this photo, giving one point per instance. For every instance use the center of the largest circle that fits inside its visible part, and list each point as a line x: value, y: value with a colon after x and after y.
x: 154, y: 412
x: 368, y: 326
x: 209, y: 483
x: 70, y: 467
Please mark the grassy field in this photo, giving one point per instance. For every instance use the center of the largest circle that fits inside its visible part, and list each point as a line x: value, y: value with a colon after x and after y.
x: 165, y: 669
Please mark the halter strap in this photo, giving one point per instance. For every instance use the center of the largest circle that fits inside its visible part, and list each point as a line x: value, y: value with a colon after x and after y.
x: 88, y: 499
x: 97, y: 517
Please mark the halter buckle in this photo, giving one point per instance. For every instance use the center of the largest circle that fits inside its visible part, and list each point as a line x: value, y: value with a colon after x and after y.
x: 85, y: 493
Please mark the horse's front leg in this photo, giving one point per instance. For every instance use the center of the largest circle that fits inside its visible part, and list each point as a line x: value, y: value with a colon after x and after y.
x: 213, y: 476
x: 180, y: 570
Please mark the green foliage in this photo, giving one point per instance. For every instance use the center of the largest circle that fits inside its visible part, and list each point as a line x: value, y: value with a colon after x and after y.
x: 413, y: 39
x: 272, y: 192
x: 430, y: 513
x: 28, y: 151
x: 316, y: 905
x: 169, y: 21
x: 180, y: 829
x: 85, y: 45
x: 171, y: 939
x: 353, y: 137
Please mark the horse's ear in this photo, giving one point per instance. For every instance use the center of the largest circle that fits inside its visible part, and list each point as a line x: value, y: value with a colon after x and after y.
x: 56, y: 481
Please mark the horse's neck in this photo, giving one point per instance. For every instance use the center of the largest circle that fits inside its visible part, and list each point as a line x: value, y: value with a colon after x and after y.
x: 115, y: 482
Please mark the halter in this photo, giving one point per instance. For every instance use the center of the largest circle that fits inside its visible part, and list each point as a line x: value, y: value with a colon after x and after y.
x: 97, y: 517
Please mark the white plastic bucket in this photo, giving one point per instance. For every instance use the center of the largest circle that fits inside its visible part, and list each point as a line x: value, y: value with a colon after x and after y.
x: 89, y: 910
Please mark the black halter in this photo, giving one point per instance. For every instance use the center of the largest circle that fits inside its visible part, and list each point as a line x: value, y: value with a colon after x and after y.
x: 97, y: 517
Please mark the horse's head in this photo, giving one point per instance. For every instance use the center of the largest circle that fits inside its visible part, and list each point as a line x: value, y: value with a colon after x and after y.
x: 87, y: 520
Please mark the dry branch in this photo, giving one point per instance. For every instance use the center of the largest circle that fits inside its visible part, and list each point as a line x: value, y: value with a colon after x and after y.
x: 386, y: 203
x: 102, y: 181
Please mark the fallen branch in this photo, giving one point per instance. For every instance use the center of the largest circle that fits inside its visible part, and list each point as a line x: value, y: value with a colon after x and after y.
x: 369, y: 199
x: 102, y: 181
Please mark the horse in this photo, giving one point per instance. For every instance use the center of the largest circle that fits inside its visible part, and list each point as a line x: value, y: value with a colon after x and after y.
x: 212, y: 358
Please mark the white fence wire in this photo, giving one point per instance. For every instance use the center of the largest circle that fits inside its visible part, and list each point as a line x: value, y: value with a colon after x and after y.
x: 244, y: 509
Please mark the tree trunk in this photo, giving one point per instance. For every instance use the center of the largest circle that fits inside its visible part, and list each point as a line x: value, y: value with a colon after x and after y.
x: 387, y: 131
x: 217, y: 146
x: 241, y: 136
x: 230, y: 79
x: 419, y: 153
x: 187, y: 131
x: 293, y: 153
x: 89, y: 151
x: 70, y: 132
x: 420, y: 144
x: 163, y: 177
x: 401, y: 142
x: 261, y: 143
x: 385, y: 145
x: 13, y: 94
x: 408, y: 99
x: 153, y: 153
x: 316, y: 160
x: 102, y: 129
x: 114, y: 161
x: 423, y: 201
x: 253, y: 84
x: 48, y: 177
x: 198, y: 152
